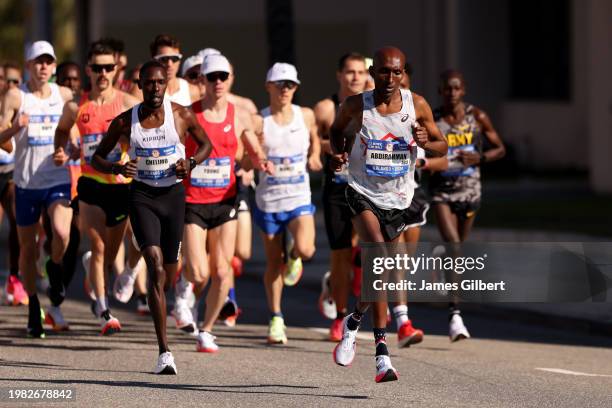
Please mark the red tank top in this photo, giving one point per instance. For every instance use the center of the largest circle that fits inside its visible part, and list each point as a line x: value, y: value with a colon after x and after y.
x: 93, y: 121
x: 214, y: 179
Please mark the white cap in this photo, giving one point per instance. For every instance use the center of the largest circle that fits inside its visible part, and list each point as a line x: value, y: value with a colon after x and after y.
x: 39, y: 48
x: 191, y: 62
x: 208, y: 51
x: 282, y: 71
x: 215, y: 63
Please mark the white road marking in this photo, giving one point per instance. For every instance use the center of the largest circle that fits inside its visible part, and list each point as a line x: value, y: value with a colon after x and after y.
x: 360, y: 336
x: 568, y: 372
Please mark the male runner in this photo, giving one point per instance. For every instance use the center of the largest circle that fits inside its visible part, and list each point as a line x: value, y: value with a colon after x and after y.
x: 68, y: 74
x: 31, y: 114
x: 290, y: 139
x: 380, y: 190
x: 155, y: 132
x: 456, y: 192
x: 351, y: 75
x: 103, y: 198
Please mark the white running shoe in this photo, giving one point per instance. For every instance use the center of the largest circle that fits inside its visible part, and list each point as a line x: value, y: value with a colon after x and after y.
x: 184, y: 318
x: 123, y: 288
x: 183, y: 292
x: 344, y: 353
x: 456, y: 329
x: 109, y: 324
x: 327, y: 306
x: 165, y: 364
x: 384, y: 370
x: 55, y: 319
x: 206, y: 343
x: 86, y: 263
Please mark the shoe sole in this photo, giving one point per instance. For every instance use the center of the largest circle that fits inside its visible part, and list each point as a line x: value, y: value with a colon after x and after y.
x: 111, y: 329
x: 416, y: 338
x: 390, y: 375
x: 459, y: 337
x: 276, y: 341
x: 51, y: 322
x: 168, y: 370
x: 206, y: 350
x: 340, y: 364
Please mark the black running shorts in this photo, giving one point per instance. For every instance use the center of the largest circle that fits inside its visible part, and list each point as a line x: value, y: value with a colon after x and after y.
x: 337, y: 215
x: 209, y: 216
x: 111, y: 198
x: 417, y: 212
x: 157, y: 215
x: 5, y: 179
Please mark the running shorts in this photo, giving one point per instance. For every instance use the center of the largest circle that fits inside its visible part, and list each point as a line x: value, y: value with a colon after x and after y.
x: 337, y: 215
x: 111, y: 198
x: 274, y: 223
x: 29, y: 203
x: 211, y: 215
x: 417, y: 212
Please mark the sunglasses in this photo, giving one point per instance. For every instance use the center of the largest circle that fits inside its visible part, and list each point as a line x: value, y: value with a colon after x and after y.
x: 165, y: 58
x: 285, y: 84
x: 98, y: 68
x: 135, y: 80
x: 213, y: 76
x: 13, y: 81
x: 192, y: 75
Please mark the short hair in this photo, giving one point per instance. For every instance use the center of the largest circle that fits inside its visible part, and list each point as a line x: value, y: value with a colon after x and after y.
x: 11, y: 65
x: 64, y: 66
x: 163, y: 40
x: 451, y: 73
x: 100, y: 48
x: 351, y: 56
x: 117, y: 45
x: 149, y: 65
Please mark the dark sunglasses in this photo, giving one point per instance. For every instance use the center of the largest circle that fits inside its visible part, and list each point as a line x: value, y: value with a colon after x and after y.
x: 135, y: 80
x: 98, y: 68
x: 193, y: 75
x: 165, y: 59
x: 13, y: 81
x: 285, y: 84
x: 213, y: 76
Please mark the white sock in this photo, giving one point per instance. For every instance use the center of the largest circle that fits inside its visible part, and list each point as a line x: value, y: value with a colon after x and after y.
x: 400, y: 312
x: 101, y: 305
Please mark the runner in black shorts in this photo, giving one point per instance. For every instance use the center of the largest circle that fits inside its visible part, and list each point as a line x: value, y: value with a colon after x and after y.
x: 155, y: 132
x: 456, y: 191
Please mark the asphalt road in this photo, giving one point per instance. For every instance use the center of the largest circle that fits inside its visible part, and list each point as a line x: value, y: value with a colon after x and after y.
x: 505, y: 364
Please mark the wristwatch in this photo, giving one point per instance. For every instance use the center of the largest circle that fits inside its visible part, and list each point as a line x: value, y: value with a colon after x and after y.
x: 192, y: 163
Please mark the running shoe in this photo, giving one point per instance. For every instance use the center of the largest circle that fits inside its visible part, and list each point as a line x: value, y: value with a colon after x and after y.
x: 86, y: 286
x: 229, y: 313
x: 165, y: 364
x: 110, y: 325
x: 276, y: 331
x: 35, y: 326
x: 327, y: 306
x: 384, y: 370
x: 237, y: 266
x: 407, y: 335
x: 123, y: 288
x: 142, y: 307
x: 183, y: 292
x: 344, y: 353
x: 206, y: 343
x: 15, y: 292
x: 184, y: 318
x: 335, y: 331
x: 293, y: 271
x: 456, y: 329
x: 55, y: 319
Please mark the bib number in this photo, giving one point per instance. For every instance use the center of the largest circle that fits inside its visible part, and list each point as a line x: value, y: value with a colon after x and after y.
x: 91, y: 143
x: 455, y: 167
x: 41, y: 129
x: 287, y: 170
x: 387, y: 158
x: 156, y: 163
x: 213, y: 172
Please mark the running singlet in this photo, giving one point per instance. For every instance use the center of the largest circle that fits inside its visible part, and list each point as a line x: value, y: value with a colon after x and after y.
x: 182, y: 96
x: 213, y: 180
x: 287, y: 147
x: 157, y: 149
x: 384, y: 153
x: 34, y: 167
x: 93, y: 121
x: 7, y: 160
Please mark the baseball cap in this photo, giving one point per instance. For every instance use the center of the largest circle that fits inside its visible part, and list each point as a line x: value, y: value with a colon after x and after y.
x: 215, y: 63
x: 38, y: 48
x: 191, y: 62
x: 281, y: 71
x: 208, y: 51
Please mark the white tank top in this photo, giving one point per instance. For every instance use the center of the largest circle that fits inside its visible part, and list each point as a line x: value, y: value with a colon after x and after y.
x: 157, y: 149
x: 182, y: 96
x: 7, y: 160
x: 287, y: 147
x: 34, y: 168
x: 383, y: 155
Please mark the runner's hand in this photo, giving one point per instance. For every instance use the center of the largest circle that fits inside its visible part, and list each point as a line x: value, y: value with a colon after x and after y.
x: 247, y: 176
x: 468, y: 158
x: 60, y: 157
x: 314, y: 162
x: 267, y: 166
x: 420, y: 135
x: 130, y: 169
x: 338, y: 160
x: 181, y: 169
x: 23, y: 120
x: 75, y: 151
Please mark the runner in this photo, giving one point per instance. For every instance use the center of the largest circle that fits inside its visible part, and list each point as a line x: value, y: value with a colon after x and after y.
x: 290, y: 139
x: 13, y: 75
x: 190, y: 71
x: 351, y: 75
x: 32, y: 112
x: 69, y: 75
x: 380, y: 190
x: 210, y: 217
x: 103, y: 198
x: 155, y: 133
x: 167, y: 50
x: 456, y: 192
x: 133, y: 89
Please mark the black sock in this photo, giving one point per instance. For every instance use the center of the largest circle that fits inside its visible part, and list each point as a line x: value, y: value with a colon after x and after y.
x: 276, y: 314
x: 355, y: 320
x: 70, y: 257
x: 34, y: 322
x: 142, y: 298
x: 380, y: 338
x: 14, y: 272
x: 56, y: 290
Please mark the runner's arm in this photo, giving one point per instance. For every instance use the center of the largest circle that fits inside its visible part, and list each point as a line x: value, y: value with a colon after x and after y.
x: 324, y: 116
x: 118, y: 132
x: 434, y: 144
x: 498, y: 150
x: 10, y: 124
x: 314, y: 152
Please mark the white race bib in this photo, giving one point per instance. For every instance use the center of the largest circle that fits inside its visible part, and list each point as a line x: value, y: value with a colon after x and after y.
x: 41, y: 129
x: 455, y: 166
x: 213, y: 172
x: 387, y: 158
x: 287, y: 170
x: 156, y: 163
x: 91, y: 143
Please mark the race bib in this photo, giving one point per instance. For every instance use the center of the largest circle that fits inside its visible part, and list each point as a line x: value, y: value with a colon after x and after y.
x: 91, y: 143
x: 41, y: 129
x: 455, y: 167
x: 156, y: 163
x: 387, y: 158
x: 213, y: 172
x: 287, y: 170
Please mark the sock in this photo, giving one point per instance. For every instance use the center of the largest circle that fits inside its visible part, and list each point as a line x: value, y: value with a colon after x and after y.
x: 380, y: 338
x: 56, y: 290
x: 400, y: 312
x: 354, y: 321
x: 14, y: 272
x: 276, y: 314
x: 101, y: 305
x: 453, y: 309
x: 232, y: 294
x: 34, y: 312
x: 341, y: 315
